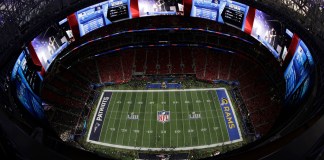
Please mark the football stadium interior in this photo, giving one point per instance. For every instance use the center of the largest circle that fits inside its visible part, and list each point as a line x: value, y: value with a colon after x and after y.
x: 162, y: 79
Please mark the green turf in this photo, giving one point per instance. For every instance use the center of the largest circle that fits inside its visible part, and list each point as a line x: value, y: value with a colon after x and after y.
x: 179, y: 132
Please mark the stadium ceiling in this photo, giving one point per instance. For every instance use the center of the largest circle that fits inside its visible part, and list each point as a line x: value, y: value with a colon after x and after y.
x: 18, y: 17
x: 309, y: 13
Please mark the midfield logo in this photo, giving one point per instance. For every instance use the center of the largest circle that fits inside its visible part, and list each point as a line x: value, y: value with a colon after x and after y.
x: 132, y: 116
x: 163, y: 116
x: 194, y: 115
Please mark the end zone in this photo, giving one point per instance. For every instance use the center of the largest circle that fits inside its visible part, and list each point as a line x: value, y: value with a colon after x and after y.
x: 232, y: 126
x: 98, y: 118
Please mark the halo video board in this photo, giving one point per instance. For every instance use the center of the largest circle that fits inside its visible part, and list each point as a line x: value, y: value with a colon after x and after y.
x: 102, y: 14
x: 298, y: 71
x: 224, y: 11
x: 160, y: 7
x: 27, y: 82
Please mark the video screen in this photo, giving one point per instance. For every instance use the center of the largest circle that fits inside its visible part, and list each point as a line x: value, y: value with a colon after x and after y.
x: 224, y: 11
x: 298, y: 69
x: 117, y: 10
x: 304, y: 87
x: 51, y: 42
x: 160, y: 7
x: 102, y: 14
x: 92, y: 17
x: 207, y: 9
x: 233, y: 14
x: 25, y: 82
x: 271, y: 33
x: 283, y: 49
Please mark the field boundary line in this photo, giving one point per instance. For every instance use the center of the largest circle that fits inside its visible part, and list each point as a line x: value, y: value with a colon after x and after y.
x: 166, y: 90
x: 164, y: 149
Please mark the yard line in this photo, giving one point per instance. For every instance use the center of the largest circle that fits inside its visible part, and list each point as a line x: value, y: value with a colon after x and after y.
x: 117, y: 117
x: 163, y: 123
x: 150, y: 115
x: 185, y: 119
x: 129, y: 135
x: 112, y: 108
x: 196, y: 123
x: 200, y: 92
x: 138, y: 119
x: 213, y: 115
x: 170, y: 121
x: 154, y: 112
x: 183, y: 128
x: 216, y: 100
x: 169, y: 90
x: 143, y: 130
x: 156, y: 125
x: 189, y: 120
x: 175, y: 106
x: 125, y: 121
x: 201, y: 120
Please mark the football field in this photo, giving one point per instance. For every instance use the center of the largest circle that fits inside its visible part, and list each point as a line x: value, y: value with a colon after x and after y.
x: 164, y: 119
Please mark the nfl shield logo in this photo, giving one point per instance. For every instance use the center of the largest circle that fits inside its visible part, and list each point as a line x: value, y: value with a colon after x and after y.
x: 163, y: 116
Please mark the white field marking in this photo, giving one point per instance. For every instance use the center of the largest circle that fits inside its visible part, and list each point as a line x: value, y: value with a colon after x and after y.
x: 140, y: 103
x: 125, y: 121
x: 202, y: 123
x: 189, y: 121
x: 112, y: 108
x: 213, y: 117
x: 164, y: 149
x: 236, y: 122
x: 197, y: 125
x: 175, y: 106
x: 151, y: 129
x: 218, y: 116
x: 156, y: 132
x: 144, y: 122
x: 163, y: 123
x: 184, y: 119
x: 131, y: 127
x: 175, y: 119
x: 211, y: 139
x: 206, y: 111
x: 170, y: 90
x: 183, y: 126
